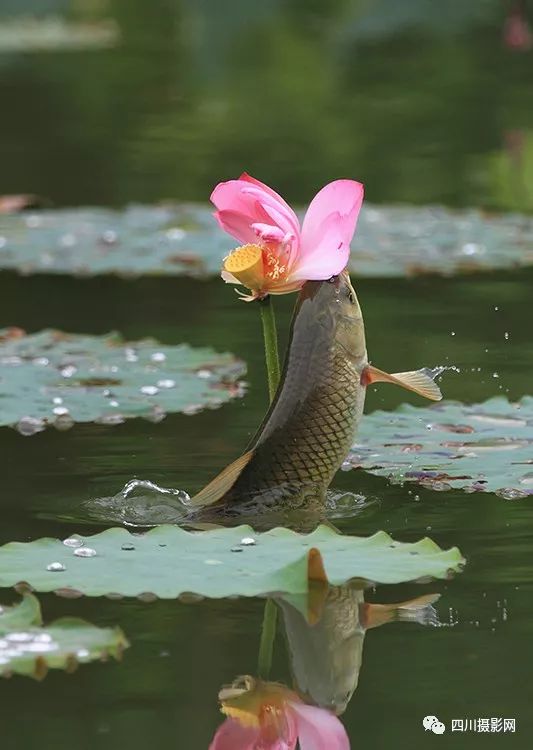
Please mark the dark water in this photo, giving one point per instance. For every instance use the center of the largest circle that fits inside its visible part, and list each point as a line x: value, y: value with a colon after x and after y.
x: 296, y: 93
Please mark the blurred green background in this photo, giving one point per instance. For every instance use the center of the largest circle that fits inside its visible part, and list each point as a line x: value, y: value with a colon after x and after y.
x: 424, y: 104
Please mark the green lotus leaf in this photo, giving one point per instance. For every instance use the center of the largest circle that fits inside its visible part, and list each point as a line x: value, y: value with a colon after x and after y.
x: 168, y: 561
x: 183, y: 239
x: 27, y: 647
x: 479, y: 448
x: 57, y: 378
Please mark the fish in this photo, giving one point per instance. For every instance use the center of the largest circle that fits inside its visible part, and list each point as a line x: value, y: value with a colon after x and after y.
x: 313, y: 418
x: 325, y: 644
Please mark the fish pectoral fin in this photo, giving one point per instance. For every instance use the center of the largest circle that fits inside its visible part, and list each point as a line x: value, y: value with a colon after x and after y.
x: 419, y: 610
x: 222, y: 483
x: 417, y: 381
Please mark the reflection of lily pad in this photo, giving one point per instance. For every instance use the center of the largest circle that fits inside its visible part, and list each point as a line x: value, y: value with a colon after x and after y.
x: 168, y: 561
x: 57, y: 378
x: 28, y: 648
x: 480, y: 448
x: 184, y: 239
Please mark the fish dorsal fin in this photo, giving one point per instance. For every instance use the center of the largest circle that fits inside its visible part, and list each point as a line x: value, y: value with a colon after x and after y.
x: 223, y: 482
x: 417, y: 381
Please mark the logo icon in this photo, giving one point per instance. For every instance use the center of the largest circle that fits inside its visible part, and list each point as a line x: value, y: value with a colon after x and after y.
x: 431, y: 723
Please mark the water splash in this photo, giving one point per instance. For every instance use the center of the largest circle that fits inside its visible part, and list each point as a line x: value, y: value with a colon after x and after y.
x: 141, y: 502
x: 345, y: 504
x: 435, y: 372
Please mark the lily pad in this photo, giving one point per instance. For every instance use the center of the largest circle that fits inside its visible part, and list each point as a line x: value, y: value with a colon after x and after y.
x: 29, y: 648
x: 168, y: 561
x: 58, y: 378
x: 484, y: 447
x: 183, y: 239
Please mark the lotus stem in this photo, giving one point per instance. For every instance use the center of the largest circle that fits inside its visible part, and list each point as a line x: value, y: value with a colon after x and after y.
x: 270, y: 336
x: 266, y: 646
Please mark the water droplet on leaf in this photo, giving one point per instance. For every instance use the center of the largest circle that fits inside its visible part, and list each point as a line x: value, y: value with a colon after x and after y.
x: 109, y: 237
x: 19, y: 637
x: 248, y: 541
x: 55, y: 567
x: 85, y: 552
x: 175, y: 234
x: 149, y: 390
x: 63, y: 422
x: 68, y: 240
x: 166, y: 383
x: 73, y: 541
x: 29, y: 426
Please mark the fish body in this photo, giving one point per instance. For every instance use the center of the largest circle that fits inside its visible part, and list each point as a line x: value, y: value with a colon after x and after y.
x: 310, y: 427
x: 313, y: 418
x: 325, y: 657
x: 326, y: 654
x: 314, y: 415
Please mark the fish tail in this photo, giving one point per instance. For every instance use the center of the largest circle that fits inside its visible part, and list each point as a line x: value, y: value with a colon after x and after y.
x: 418, y: 381
x: 420, y: 610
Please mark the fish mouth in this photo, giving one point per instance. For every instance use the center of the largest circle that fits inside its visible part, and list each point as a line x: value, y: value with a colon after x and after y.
x: 310, y: 289
x: 347, y: 280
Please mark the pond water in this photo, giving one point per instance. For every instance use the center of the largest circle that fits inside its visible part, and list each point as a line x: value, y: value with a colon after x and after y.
x: 165, y: 689
x: 308, y: 93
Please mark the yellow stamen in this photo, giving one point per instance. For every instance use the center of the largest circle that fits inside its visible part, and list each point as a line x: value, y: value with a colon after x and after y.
x: 254, y: 703
x: 276, y: 269
x: 246, y: 264
x: 245, y: 718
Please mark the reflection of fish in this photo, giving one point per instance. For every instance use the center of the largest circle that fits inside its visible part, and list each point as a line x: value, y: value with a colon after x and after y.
x: 326, y: 656
x: 312, y: 421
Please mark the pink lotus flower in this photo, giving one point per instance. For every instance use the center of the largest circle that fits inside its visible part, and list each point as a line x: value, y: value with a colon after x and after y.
x: 269, y: 716
x: 277, y: 255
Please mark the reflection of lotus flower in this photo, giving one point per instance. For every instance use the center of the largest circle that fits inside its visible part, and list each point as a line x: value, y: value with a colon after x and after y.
x: 269, y: 716
x: 277, y: 256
